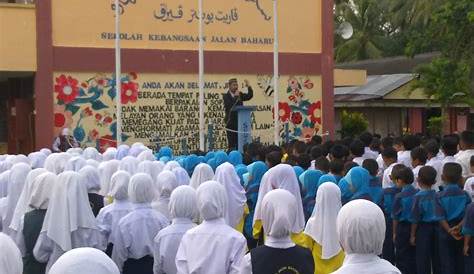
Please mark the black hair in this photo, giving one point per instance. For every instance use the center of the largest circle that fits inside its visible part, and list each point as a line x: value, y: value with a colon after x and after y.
x: 376, y: 135
x: 317, y: 140
x: 427, y: 175
x: 304, y: 161
x: 432, y: 147
x: 339, y: 151
x: 327, y: 147
x: 387, y: 142
x: 410, y: 142
x: 467, y: 137
x: 371, y: 166
x: 317, y: 151
x: 299, y: 147
x: 357, y: 148
x: 395, y: 170
x: 348, y: 166
x: 273, y: 158
x: 406, y: 175
x: 272, y: 148
x: 471, y: 162
x: 390, y: 153
x: 347, y: 141
x: 336, y: 167
x: 366, y: 138
x: 449, y: 144
x: 419, y: 153
x: 376, y: 145
x: 452, y: 173
x: 321, y: 163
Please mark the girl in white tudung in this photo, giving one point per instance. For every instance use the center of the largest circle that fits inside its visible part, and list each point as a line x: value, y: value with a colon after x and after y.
x: 110, y: 215
x: 202, y: 173
x: 69, y: 222
x: 149, y: 168
x: 37, y: 159
x: 75, y: 164
x: 91, y: 178
x: 84, y: 261
x: 279, y: 254
x: 129, y: 164
x: 213, y: 246
x: 361, y: 230
x: 183, y: 209
x: 106, y: 170
x: 165, y: 184
x: 109, y: 154
x: 10, y: 256
x: 182, y: 176
x: 133, y: 247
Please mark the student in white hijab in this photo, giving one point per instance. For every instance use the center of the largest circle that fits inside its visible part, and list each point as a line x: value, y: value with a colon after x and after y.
x: 74, y: 151
x: 69, y: 222
x: 10, y: 256
x: 122, y: 152
x: 146, y: 155
x: 281, y: 176
x: 361, y: 230
x: 202, y: 173
x: 32, y: 221
x: 46, y: 151
x: 182, y: 176
x: 5, y: 165
x: 129, y: 164
x: 171, y: 165
x: 136, y: 149
x: 183, y: 210
x: 84, y: 260
x: 75, y: 164
x: 92, y: 163
x: 16, y: 159
x: 279, y: 252
x: 109, y: 154
x: 37, y: 159
x: 91, y: 178
x: 17, y: 179
x: 213, y: 246
x: 106, y: 170
x: 56, y: 162
x: 236, y: 199
x: 4, y: 182
x: 133, y: 247
x: 165, y: 184
x: 149, y: 168
x: 110, y: 215
x: 323, y: 240
x: 22, y: 203
x: 92, y: 153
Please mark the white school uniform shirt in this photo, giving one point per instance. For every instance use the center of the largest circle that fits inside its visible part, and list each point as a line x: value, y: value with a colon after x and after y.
x: 211, y: 247
x: 404, y: 157
x: 370, y: 154
x: 469, y: 187
x: 381, y: 165
x: 447, y: 159
x: 109, y: 217
x: 166, y: 245
x: 415, y: 171
x: 464, y: 159
x: 366, y: 264
x: 135, y: 234
x: 386, y: 182
x: 358, y: 160
x: 437, y: 165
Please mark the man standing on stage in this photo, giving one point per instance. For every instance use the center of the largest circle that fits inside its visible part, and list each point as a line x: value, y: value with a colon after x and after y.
x: 232, y: 99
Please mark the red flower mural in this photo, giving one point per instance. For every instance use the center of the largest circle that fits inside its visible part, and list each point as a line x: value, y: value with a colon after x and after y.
x: 86, y: 112
x: 314, y: 112
x: 284, y: 111
x: 296, y: 118
x: 308, y: 84
x: 66, y: 88
x: 62, y: 118
x: 105, y: 142
x: 93, y: 134
x: 129, y: 92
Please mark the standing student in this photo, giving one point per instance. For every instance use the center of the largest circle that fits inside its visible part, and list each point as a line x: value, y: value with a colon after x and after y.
x: 357, y: 151
x: 432, y: 147
x: 91, y: 179
x: 336, y: 168
x: 165, y: 184
x: 109, y: 216
x: 402, y: 221
x: 427, y: 213
x: 419, y: 156
x: 10, y: 256
x: 322, y: 239
x: 361, y: 229
x: 279, y: 252
x: 133, y: 247
x: 183, y: 210
x: 358, y: 181
x: 84, y: 260
x: 409, y: 142
x: 309, y: 180
x: 375, y: 182
x: 467, y: 151
x: 468, y: 232
x: 469, y: 184
x: 202, y: 173
x: 453, y: 201
x: 389, y: 156
x: 212, y: 246
x: 449, y: 147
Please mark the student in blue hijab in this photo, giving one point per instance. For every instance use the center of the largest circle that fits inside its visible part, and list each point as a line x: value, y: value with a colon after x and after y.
x: 235, y: 158
x: 325, y: 179
x: 253, y: 178
x: 221, y: 157
x: 241, y: 170
x: 165, y: 159
x: 209, y: 156
x: 346, y: 193
x: 298, y: 170
x: 165, y: 152
x: 190, y: 163
x: 212, y: 163
x: 358, y: 180
x: 309, y: 180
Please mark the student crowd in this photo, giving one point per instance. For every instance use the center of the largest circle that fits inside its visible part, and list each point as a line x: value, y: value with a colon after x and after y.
x: 357, y: 205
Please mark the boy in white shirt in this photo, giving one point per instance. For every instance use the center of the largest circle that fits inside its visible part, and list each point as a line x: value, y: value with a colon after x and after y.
x: 469, y: 185
x: 418, y: 160
x: 467, y: 151
x: 389, y: 156
x: 432, y: 147
x: 449, y: 146
x: 409, y: 143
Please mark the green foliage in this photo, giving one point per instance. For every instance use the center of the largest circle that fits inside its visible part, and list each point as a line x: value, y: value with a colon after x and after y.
x: 435, y: 126
x: 352, y: 124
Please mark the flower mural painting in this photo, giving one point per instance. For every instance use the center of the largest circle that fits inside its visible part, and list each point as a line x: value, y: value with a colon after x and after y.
x: 314, y: 112
x: 129, y: 92
x: 67, y: 88
x: 62, y: 119
x: 284, y: 111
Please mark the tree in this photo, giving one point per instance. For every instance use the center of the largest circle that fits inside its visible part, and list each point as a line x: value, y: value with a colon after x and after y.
x: 352, y: 124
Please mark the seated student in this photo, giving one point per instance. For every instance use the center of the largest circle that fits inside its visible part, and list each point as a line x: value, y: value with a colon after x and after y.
x: 358, y: 181
x: 402, y: 220
x: 409, y: 142
x: 133, y: 247
x: 278, y: 252
x: 322, y: 239
x: 426, y: 213
x: 375, y: 184
x: 109, y: 216
x: 432, y: 147
x: 468, y: 232
x: 453, y: 201
x: 183, y: 210
x: 389, y: 156
x: 212, y: 246
x: 467, y: 151
x: 309, y: 182
x: 361, y: 230
x: 469, y: 184
x: 388, y: 198
x: 10, y: 256
x: 84, y: 260
x: 449, y: 147
x: 336, y: 168
x: 357, y: 151
x: 418, y: 160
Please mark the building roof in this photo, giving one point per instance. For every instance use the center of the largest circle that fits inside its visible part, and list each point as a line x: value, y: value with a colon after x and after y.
x: 377, y: 87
